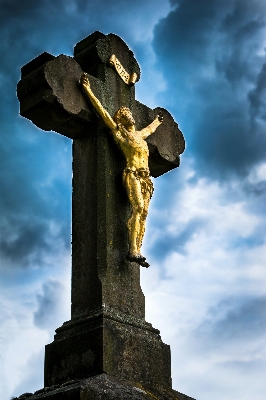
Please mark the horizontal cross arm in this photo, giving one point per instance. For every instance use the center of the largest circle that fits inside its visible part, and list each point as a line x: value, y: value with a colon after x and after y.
x: 51, y: 98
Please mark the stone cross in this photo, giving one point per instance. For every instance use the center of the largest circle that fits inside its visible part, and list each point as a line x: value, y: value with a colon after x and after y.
x: 107, y: 331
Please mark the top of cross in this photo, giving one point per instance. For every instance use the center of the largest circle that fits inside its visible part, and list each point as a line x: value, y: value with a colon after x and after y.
x: 51, y: 98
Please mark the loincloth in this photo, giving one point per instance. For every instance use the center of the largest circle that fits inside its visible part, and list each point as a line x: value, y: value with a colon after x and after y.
x: 143, y: 175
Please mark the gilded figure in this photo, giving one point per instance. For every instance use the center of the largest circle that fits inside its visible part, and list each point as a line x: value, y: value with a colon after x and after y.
x: 136, y: 175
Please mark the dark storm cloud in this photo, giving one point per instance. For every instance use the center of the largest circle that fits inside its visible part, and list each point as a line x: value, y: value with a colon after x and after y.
x: 166, y: 243
x: 56, y: 26
x: 48, y: 304
x: 257, y: 97
x: 33, y: 219
x: 233, y: 319
x: 211, y: 52
x: 223, y: 142
x: 257, y: 189
x: 28, y: 204
x: 24, y: 244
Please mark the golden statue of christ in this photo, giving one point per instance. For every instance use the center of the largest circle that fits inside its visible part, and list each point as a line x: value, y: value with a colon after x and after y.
x: 136, y: 175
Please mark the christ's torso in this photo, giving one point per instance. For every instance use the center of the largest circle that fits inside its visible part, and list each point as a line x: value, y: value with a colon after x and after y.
x: 135, y: 150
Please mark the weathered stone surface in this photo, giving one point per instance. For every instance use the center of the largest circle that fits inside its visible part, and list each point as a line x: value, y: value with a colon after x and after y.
x: 93, y: 54
x: 104, y: 387
x: 36, y: 63
x: 115, y: 343
x: 51, y: 98
x: 100, y: 272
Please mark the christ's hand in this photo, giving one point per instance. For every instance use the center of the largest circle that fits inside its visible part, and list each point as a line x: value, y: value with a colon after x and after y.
x: 84, y: 80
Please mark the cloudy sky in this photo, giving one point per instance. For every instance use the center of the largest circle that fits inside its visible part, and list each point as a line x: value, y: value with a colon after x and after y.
x: 204, y: 61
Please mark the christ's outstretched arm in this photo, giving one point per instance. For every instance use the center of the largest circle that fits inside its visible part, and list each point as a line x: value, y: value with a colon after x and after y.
x: 145, y: 132
x: 84, y: 80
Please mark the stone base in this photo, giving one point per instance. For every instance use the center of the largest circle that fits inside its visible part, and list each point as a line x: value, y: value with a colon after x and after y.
x: 121, y: 346
x: 104, y: 387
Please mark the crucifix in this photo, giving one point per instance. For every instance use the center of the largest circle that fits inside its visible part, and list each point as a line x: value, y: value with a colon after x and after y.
x: 107, y: 332
x: 136, y: 174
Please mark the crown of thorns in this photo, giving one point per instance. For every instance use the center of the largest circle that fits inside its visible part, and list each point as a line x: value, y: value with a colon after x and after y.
x: 119, y: 113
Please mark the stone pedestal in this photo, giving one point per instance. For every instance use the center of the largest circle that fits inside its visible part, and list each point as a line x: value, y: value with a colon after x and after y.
x: 106, y: 342
x: 104, y: 387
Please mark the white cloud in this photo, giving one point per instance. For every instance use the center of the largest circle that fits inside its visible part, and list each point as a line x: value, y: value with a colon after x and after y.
x: 22, y: 341
x: 215, y: 265
x: 258, y: 173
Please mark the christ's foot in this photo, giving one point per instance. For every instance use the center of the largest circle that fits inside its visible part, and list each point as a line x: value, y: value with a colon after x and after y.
x: 144, y: 264
x: 138, y: 258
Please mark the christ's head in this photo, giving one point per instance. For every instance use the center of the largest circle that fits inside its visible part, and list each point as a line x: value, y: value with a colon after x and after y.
x: 124, y: 116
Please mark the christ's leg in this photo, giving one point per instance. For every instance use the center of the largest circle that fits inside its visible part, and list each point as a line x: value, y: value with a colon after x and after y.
x: 133, y: 189
x: 142, y: 221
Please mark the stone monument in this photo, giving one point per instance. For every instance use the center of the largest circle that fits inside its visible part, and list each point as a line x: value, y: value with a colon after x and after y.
x: 107, y: 350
